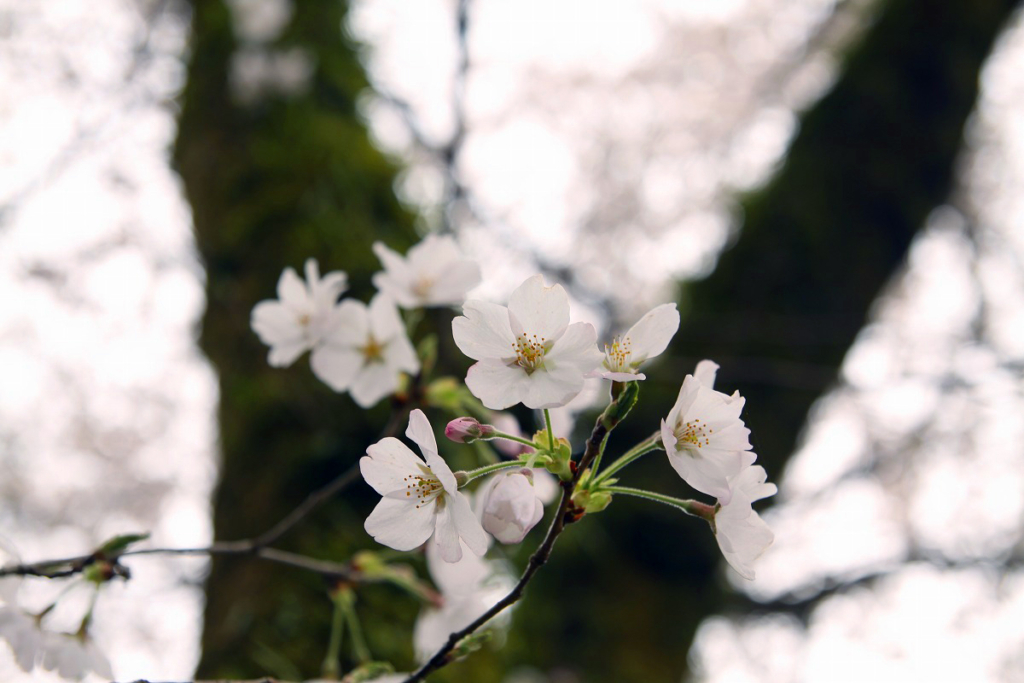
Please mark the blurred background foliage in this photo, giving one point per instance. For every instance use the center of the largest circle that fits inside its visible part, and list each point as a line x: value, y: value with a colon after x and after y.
x: 292, y: 174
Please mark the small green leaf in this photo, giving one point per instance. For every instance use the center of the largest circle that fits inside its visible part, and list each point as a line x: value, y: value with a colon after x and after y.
x: 118, y: 544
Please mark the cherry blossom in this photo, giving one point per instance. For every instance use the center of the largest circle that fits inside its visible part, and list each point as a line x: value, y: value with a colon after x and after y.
x: 528, y: 352
x: 648, y: 338
x: 511, y: 506
x: 706, y: 441
x: 434, y: 273
x: 303, y: 314
x: 73, y: 657
x: 468, y: 588
x: 366, y: 351
x: 420, y: 499
x: 741, y: 533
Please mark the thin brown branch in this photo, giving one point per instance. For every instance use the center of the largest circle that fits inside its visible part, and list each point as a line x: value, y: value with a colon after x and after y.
x: 257, y: 547
x: 567, y: 513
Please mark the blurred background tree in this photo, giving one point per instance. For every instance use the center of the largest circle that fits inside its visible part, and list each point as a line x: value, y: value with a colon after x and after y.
x: 278, y: 167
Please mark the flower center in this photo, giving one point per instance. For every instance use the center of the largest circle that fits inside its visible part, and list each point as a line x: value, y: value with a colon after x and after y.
x: 423, y: 488
x: 422, y: 286
x: 617, y: 356
x: 373, y: 351
x: 530, y: 350
x: 693, y: 433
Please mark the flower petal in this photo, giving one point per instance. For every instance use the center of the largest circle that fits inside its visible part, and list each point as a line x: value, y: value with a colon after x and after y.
x: 457, y: 578
x: 454, y: 282
x: 497, y: 385
x: 707, y: 471
x: 274, y: 323
x: 292, y: 291
x: 397, y: 272
x: 373, y: 382
x: 385, y: 322
x: 336, y: 366
x: 351, y: 325
x: 552, y: 387
x: 283, y: 355
x: 651, y: 334
x: 705, y: 372
x: 577, y: 346
x: 400, y: 524
x: 433, y: 254
x: 420, y: 432
x: 446, y: 534
x: 467, y: 524
x: 483, y: 331
x: 400, y: 356
x: 387, y: 463
x: 541, y: 310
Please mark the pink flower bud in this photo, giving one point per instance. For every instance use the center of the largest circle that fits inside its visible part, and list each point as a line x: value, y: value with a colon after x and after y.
x: 467, y: 430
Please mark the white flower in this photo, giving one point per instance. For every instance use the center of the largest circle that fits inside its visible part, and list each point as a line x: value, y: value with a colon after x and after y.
x: 434, y: 273
x: 741, y: 533
x: 303, y: 314
x: 648, y: 338
x: 468, y: 588
x: 527, y: 353
x: 510, y: 506
x: 23, y: 634
x: 366, y: 351
x: 72, y: 657
x: 505, y: 422
x: 420, y: 499
x: 704, y: 437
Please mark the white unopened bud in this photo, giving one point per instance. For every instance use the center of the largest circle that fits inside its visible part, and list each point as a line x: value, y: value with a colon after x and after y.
x: 512, y: 507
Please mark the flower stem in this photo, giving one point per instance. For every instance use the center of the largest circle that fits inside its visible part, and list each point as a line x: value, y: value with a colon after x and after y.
x: 551, y: 433
x: 690, y: 507
x: 331, y: 668
x: 600, y: 454
x: 359, y: 648
x: 486, y: 469
x: 646, y: 446
x: 510, y: 437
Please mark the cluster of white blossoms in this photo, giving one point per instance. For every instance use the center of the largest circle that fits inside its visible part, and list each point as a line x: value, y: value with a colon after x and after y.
x: 528, y: 352
x: 708, y: 446
x: 354, y: 347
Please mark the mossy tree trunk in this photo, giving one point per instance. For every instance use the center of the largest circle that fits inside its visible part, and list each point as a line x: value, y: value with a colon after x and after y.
x: 272, y: 183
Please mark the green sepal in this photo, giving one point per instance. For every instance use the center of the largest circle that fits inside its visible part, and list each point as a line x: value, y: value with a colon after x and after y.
x: 624, y: 401
x: 118, y: 544
x: 559, y: 459
x: 426, y: 351
x: 98, y: 572
x: 591, y: 501
x: 446, y: 393
x: 370, y: 671
x: 470, y: 644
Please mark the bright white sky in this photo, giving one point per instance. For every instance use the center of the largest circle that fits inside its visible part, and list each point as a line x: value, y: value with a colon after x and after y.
x: 639, y: 114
